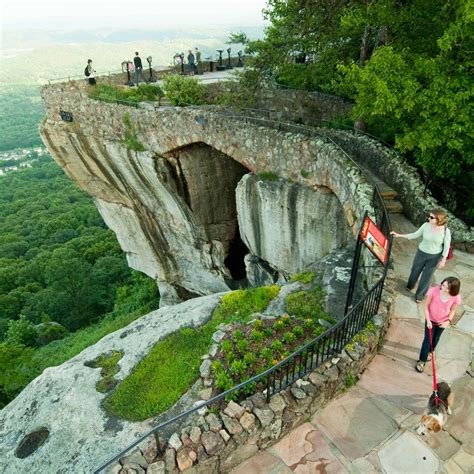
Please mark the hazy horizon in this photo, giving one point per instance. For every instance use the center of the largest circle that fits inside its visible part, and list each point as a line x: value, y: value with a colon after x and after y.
x: 90, y: 14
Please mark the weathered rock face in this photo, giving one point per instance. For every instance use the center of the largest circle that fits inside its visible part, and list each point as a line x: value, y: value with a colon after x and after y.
x: 288, y: 225
x: 173, y: 206
x: 63, y: 405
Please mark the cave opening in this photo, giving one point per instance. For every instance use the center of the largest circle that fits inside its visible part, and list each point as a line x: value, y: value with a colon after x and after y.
x: 206, y: 179
x: 235, y: 259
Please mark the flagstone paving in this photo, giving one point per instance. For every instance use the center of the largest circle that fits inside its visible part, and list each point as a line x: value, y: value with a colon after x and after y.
x: 372, y: 427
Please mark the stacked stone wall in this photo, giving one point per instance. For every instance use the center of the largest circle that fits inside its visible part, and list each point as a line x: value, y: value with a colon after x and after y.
x: 398, y: 174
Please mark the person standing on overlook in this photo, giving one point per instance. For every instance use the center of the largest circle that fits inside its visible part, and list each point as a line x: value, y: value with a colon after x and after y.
x: 138, y: 68
x: 190, y: 63
x: 432, y: 251
x: 89, y: 72
x: 197, y: 55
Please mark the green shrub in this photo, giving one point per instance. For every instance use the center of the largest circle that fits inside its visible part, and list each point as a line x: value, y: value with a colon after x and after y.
x: 217, y: 366
x: 125, y: 95
x: 308, y: 304
x: 257, y: 324
x: 277, y: 346
x: 48, y: 332
x: 289, y: 337
x: 269, y: 332
x: 224, y: 381
x: 298, y: 331
x: 238, y: 335
x: 266, y: 353
x: 183, y: 91
x: 238, y: 367
x: 304, y: 173
x: 250, y: 358
x: 130, y: 138
x: 350, y: 380
x: 268, y: 176
x: 257, y: 336
x: 242, y: 346
x: 230, y: 357
x: 109, y: 364
x: 21, y: 332
x: 226, y: 345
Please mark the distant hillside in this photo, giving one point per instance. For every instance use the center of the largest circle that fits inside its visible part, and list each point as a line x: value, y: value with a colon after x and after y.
x: 44, y: 56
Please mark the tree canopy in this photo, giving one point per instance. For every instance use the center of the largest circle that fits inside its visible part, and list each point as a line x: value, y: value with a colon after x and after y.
x: 407, y: 66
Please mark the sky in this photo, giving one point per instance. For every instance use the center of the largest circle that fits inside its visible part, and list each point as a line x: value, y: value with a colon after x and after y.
x: 86, y: 14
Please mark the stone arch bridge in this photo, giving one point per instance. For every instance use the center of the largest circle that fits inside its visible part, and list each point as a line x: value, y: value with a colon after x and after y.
x: 211, y: 201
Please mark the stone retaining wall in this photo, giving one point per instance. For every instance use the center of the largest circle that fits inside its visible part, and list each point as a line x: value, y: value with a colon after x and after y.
x: 220, y: 440
x: 301, y: 106
x: 393, y: 169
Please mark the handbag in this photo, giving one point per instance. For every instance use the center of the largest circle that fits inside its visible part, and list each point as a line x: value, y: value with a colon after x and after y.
x: 450, y: 251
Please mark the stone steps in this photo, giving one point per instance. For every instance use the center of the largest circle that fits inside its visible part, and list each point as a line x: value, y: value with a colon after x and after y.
x: 388, y: 194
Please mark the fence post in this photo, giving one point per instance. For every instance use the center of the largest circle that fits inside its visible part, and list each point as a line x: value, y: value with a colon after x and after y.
x: 268, y: 388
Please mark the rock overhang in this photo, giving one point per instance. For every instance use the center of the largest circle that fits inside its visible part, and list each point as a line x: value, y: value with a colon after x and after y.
x: 142, y: 194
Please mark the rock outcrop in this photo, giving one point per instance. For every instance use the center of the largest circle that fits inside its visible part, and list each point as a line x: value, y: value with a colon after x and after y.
x: 288, y: 225
x: 64, y: 407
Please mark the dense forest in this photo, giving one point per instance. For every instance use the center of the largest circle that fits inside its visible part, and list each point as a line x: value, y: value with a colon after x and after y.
x: 20, y: 115
x: 64, y: 282
x: 407, y: 66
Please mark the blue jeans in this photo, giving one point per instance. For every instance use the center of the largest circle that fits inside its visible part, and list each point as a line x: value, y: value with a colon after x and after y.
x: 425, y: 346
x: 424, y: 264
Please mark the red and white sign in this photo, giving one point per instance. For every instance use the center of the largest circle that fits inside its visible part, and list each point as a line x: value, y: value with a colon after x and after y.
x: 374, y: 239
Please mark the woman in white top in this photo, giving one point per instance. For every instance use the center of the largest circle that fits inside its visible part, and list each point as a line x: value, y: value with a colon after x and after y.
x: 432, y: 251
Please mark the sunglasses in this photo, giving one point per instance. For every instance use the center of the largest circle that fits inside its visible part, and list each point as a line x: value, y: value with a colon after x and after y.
x: 431, y: 217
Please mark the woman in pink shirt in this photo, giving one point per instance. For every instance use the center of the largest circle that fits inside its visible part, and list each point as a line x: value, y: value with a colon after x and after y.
x: 439, y: 309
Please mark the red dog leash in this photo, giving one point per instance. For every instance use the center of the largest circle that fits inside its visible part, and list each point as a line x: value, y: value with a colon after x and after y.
x: 435, y: 383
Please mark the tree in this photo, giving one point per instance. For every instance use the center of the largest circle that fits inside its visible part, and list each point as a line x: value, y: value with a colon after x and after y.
x: 21, y: 332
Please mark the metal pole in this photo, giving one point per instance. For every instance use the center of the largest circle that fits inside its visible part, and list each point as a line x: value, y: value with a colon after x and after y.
x: 355, y: 265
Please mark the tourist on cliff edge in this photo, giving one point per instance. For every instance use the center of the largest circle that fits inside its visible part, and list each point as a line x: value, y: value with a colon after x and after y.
x: 190, y: 63
x: 89, y: 72
x: 138, y: 68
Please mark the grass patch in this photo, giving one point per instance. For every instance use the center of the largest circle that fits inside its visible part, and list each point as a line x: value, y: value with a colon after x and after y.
x: 308, y: 304
x: 350, y: 380
x: 241, y: 304
x: 268, y: 176
x: 130, y: 138
x: 125, y: 95
x: 109, y: 364
x: 304, y: 277
x: 172, y: 366
x: 159, y: 380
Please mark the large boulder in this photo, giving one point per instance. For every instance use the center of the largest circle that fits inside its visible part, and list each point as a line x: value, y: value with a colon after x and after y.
x: 58, y: 424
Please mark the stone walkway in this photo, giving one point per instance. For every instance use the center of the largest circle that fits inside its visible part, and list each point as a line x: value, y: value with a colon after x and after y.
x: 372, y: 427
